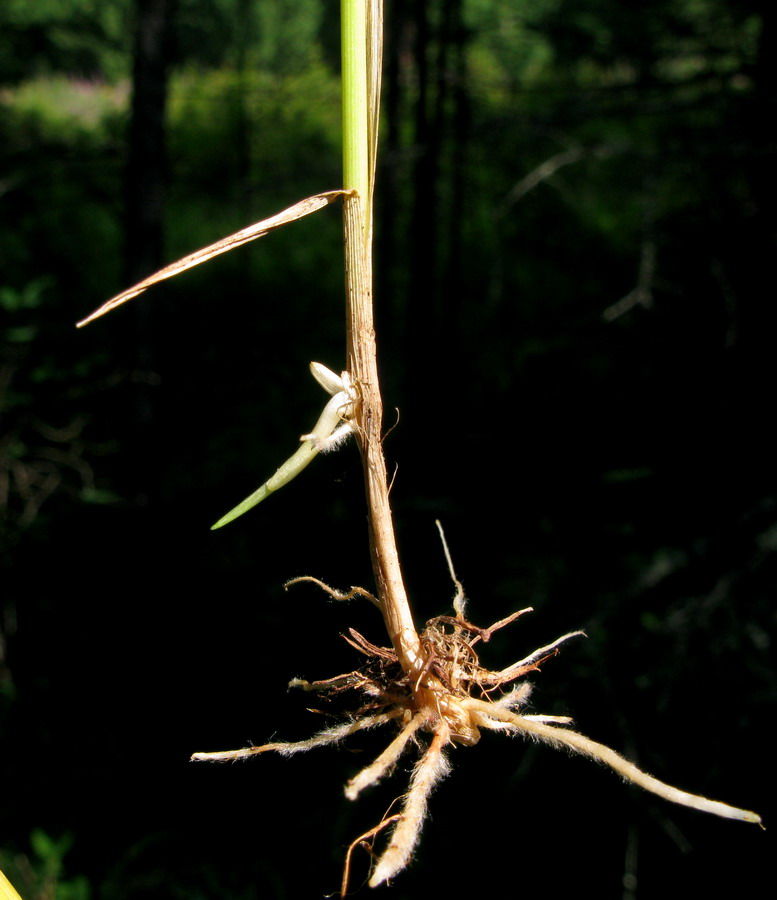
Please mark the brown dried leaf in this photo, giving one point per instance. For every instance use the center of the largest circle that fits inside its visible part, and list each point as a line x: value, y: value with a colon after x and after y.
x: 257, y: 230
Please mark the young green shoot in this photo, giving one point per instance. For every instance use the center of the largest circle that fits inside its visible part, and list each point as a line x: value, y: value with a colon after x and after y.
x: 330, y: 431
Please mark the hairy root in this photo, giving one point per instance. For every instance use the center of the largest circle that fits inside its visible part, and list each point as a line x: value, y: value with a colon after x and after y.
x: 453, y: 699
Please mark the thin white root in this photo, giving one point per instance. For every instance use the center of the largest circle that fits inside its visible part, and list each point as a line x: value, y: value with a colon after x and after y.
x: 560, y: 737
x: 515, y: 697
x: 289, y: 748
x: 431, y: 768
x: 459, y: 601
x: 372, y: 773
x: 556, y: 720
x: 515, y: 669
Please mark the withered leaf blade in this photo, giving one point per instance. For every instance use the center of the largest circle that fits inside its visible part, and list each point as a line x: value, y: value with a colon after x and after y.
x: 252, y: 232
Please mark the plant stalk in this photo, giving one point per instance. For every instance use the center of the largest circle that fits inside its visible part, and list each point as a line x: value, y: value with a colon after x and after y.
x: 360, y: 66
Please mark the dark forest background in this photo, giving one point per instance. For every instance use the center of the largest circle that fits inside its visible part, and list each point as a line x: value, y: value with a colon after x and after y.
x: 576, y: 314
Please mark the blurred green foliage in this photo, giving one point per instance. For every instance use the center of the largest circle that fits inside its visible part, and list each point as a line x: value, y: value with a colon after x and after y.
x: 41, y: 875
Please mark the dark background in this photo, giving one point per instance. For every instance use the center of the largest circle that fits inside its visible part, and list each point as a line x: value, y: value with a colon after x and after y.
x: 576, y: 321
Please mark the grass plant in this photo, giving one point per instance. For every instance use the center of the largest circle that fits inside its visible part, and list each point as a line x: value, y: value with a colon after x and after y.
x: 427, y: 685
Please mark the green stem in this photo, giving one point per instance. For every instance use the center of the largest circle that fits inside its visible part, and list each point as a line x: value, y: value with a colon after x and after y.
x: 356, y: 147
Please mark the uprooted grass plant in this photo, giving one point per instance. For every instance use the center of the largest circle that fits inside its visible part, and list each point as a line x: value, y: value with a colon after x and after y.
x: 429, y: 686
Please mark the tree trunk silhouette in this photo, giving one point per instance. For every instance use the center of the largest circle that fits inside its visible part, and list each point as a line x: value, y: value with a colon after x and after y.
x: 145, y: 198
x: 427, y: 86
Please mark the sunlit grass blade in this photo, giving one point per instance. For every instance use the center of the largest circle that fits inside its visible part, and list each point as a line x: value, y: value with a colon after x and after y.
x: 7, y: 891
